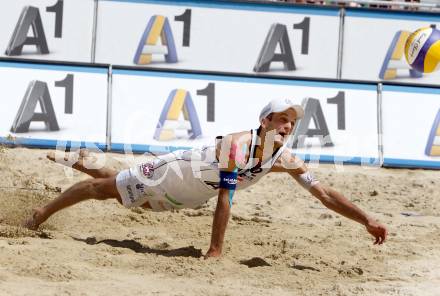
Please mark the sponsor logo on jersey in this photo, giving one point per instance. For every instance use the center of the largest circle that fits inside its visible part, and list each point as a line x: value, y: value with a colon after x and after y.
x: 249, y: 175
x: 147, y: 169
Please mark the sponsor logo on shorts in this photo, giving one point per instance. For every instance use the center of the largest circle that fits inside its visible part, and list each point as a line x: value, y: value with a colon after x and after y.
x: 140, y: 187
x: 147, y: 170
x: 130, y: 193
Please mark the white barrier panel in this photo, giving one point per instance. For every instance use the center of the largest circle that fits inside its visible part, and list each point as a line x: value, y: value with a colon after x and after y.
x: 159, y: 112
x: 411, y: 127
x: 216, y: 36
x: 373, y: 46
x: 46, y: 105
x: 47, y: 29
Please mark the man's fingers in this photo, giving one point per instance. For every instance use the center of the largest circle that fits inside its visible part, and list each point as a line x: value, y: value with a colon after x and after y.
x: 383, y: 235
x: 380, y: 234
x: 377, y: 240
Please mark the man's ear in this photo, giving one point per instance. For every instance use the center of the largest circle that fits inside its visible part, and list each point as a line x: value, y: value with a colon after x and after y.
x: 264, y: 122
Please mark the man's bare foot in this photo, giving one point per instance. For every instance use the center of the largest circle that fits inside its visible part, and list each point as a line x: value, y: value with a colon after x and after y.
x: 81, y: 155
x: 83, y: 161
x: 35, y: 220
x: 212, y: 253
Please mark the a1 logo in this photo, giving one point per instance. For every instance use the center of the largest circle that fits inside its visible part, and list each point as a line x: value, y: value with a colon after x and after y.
x: 158, y: 27
x: 313, y: 112
x: 180, y: 102
x: 278, y: 36
x: 30, y: 18
x: 38, y: 92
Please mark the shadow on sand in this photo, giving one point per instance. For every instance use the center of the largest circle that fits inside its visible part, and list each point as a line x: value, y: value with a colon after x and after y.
x: 139, y: 248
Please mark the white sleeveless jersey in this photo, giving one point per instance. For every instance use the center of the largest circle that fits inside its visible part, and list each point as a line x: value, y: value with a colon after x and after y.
x: 189, y: 178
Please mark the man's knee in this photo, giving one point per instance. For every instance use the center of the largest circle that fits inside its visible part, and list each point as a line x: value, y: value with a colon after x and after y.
x: 103, y: 188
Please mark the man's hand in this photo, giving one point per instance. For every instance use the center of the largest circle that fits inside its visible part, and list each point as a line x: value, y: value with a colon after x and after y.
x: 212, y: 253
x: 377, y: 230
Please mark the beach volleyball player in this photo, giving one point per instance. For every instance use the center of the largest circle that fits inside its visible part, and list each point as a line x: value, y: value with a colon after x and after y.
x: 189, y: 178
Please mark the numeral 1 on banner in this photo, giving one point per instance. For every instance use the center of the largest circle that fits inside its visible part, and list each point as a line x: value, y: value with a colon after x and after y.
x: 339, y: 100
x: 186, y: 19
x: 58, y: 10
x: 209, y: 92
x: 67, y: 82
x: 305, y: 27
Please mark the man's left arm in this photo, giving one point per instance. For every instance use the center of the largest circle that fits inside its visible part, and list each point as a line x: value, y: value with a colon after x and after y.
x: 328, y: 196
x: 340, y: 204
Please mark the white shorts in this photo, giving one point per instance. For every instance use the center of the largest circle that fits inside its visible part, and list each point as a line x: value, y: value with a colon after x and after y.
x: 134, y: 193
x: 166, y: 183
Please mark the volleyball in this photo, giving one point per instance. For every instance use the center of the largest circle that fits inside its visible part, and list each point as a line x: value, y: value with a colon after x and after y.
x: 422, y: 50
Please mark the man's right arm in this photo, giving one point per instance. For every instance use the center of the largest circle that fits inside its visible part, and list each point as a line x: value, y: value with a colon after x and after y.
x: 228, y: 159
x: 221, y: 218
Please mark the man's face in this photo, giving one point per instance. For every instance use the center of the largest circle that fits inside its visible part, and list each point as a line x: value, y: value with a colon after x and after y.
x: 281, y: 123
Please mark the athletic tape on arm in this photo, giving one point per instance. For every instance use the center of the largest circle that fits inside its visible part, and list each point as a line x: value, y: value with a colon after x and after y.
x: 228, y: 180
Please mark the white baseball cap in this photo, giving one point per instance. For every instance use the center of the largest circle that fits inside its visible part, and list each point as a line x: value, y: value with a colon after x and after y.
x: 280, y: 105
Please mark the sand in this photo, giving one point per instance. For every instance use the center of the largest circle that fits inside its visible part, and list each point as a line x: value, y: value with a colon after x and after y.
x: 280, y: 240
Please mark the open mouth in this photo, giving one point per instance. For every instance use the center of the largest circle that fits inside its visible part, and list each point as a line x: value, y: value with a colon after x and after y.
x: 283, y: 136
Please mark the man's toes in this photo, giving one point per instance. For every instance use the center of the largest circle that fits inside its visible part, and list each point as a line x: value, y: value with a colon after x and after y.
x: 51, y: 155
x: 84, y: 152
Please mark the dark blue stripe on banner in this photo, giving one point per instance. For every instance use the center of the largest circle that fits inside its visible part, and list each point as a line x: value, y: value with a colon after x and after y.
x: 38, y: 66
x: 396, y: 15
x: 339, y: 85
x: 408, y: 163
x: 50, y: 144
x: 264, y: 7
x: 141, y: 148
x: 368, y: 161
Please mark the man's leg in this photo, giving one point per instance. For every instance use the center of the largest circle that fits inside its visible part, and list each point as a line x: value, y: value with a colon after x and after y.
x: 84, y: 157
x: 100, y: 189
